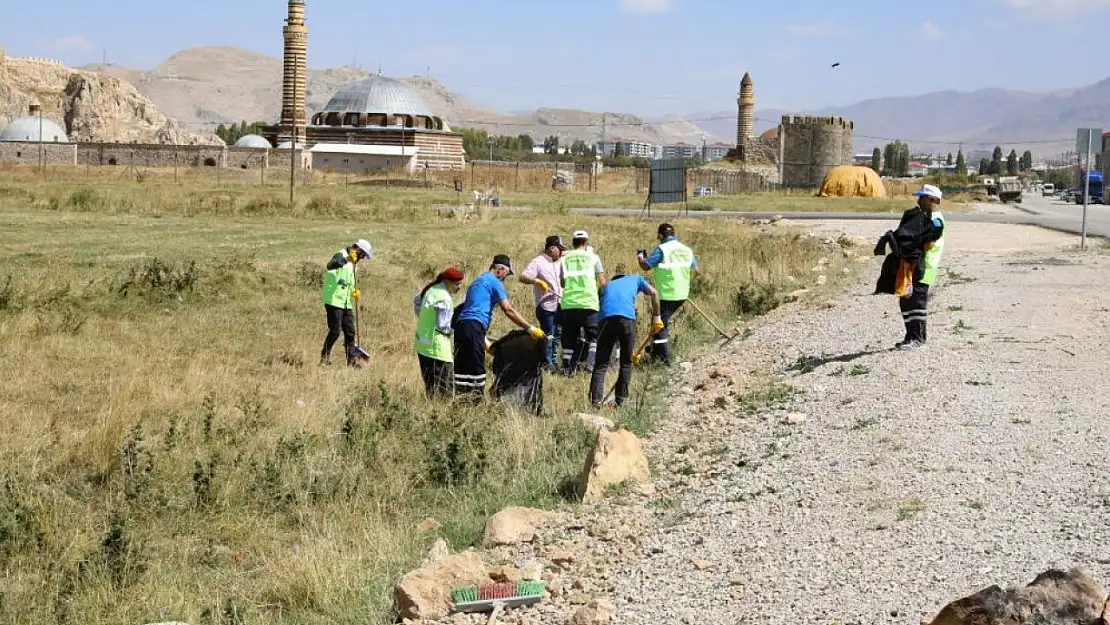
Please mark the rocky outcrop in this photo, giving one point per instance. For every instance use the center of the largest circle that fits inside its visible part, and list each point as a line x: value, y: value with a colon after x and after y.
x: 1053, y: 598
x: 617, y: 458
x: 92, y: 107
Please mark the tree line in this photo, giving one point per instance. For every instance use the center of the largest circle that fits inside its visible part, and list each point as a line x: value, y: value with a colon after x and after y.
x: 481, y: 145
x: 894, y: 160
x: 234, y: 132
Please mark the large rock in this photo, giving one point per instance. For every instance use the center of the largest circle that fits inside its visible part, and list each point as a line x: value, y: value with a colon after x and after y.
x: 617, y: 458
x: 1054, y: 598
x: 512, y: 526
x: 426, y: 592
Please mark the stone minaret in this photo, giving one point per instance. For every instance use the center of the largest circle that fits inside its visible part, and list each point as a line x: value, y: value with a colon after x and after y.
x: 296, y: 71
x: 745, y: 116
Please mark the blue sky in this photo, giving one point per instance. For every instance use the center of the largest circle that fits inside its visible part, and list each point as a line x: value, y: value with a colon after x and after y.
x: 643, y: 56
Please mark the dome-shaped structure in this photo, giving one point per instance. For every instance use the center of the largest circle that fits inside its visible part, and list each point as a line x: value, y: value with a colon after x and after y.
x: 852, y: 181
x: 252, y: 141
x: 377, y: 101
x: 27, y: 129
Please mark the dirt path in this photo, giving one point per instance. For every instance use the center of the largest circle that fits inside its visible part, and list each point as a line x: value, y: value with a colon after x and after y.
x: 865, y: 485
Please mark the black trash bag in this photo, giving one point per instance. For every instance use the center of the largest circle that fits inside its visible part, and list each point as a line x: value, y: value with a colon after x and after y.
x: 518, y: 361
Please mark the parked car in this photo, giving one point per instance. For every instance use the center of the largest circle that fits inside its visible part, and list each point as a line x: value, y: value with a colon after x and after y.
x: 1048, y: 189
x: 703, y: 191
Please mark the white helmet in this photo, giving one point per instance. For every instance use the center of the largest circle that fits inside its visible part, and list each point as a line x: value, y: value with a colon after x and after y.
x: 364, y: 245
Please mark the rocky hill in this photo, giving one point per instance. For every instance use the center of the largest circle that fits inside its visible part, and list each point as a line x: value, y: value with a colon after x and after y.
x: 89, y: 105
x: 206, y: 86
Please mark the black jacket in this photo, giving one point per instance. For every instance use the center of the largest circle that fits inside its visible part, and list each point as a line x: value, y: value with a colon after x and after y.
x: 907, y: 242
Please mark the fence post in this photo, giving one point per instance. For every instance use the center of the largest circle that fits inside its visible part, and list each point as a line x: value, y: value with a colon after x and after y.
x: 472, y: 167
x: 516, y: 185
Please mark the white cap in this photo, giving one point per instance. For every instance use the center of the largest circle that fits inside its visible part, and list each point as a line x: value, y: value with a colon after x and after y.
x: 363, y: 245
x: 580, y: 234
x: 929, y: 190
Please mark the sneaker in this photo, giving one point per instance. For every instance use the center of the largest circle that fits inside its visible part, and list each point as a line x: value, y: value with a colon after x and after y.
x: 911, y: 345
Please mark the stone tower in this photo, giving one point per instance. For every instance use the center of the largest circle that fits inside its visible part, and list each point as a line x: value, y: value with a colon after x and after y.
x: 745, y: 116
x: 296, y: 71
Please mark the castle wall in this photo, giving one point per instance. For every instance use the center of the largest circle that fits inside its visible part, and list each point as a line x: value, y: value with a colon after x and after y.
x: 247, y: 158
x: 150, y: 155
x: 811, y: 146
x: 28, y: 153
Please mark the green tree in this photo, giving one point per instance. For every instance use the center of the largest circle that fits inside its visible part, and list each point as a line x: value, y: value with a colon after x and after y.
x: 961, y: 164
x: 526, y: 143
x: 551, y: 145
x: 984, y: 166
x: 1012, y: 163
x: 876, y: 159
x: 221, y: 132
x: 995, y: 166
x: 1026, y: 163
x: 949, y: 160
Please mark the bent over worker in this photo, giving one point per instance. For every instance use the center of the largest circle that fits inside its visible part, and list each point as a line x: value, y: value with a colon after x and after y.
x: 920, y: 237
x: 672, y: 265
x: 340, y: 295
x: 434, y: 307
x: 618, y: 328
x: 472, y: 324
x: 583, y: 277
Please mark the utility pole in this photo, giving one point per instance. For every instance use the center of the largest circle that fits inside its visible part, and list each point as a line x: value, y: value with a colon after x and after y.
x: 42, y: 153
x: 604, y: 142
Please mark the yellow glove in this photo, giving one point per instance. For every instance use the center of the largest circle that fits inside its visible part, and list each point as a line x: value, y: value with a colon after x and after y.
x: 352, y: 256
x: 356, y: 294
x: 656, y: 325
x: 536, y: 333
x: 544, y: 286
x: 489, y: 347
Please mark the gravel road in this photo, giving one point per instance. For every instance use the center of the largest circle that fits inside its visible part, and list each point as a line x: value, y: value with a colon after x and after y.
x: 866, y: 485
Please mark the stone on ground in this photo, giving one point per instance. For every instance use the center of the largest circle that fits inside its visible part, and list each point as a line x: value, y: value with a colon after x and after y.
x: 513, y: 526
x: 426, y: 592
x: 1054, y: 598
x: 617, y: 458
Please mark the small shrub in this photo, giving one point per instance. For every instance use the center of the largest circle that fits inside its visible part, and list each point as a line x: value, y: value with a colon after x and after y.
x: 310, y: 275
x: 155, y: 279
x: 763, y: 399
x: 8, y: 296
x: 754, y: 298
x: 120, y: 555
x: 84, y: 199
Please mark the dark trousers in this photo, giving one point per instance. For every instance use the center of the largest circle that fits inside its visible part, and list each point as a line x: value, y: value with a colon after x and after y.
x: 579, y: 337
x: 915, y: 313
x: 661, y: 345
x: 470, y: 360
x: 340, y: 320
x: 439, y: 380
x: 550, y: 323
x: 620, y: 332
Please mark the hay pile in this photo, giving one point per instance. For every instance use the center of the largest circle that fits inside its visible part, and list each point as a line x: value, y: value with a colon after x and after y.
x: 852, y: 181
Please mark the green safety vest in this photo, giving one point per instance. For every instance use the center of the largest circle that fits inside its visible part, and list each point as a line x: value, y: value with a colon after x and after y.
x: 933, y: 252
x: 579, y: 281
x: 672, y: 276
x: 429, y: 341
x: 335, y: 294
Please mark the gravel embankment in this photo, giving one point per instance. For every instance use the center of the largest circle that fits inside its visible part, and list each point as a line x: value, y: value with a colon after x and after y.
x: 913, y: 478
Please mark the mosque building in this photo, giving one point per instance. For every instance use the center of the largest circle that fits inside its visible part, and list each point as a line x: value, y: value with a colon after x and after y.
x: 371, y: 124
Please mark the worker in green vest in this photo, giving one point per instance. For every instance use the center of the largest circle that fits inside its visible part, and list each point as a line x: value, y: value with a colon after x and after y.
x: 673, y: 266
x: 583, y: 276
x: 930, y: 243
x: 434, y: 307
x: 340, y: 296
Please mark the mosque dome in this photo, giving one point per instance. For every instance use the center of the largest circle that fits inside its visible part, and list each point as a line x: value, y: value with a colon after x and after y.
x: 252, y: 141
x: 27, y: 129
x: 377, y: 101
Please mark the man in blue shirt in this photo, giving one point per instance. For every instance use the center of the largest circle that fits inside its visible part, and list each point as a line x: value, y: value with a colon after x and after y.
x: 618, y: 327
x: 472, y: 322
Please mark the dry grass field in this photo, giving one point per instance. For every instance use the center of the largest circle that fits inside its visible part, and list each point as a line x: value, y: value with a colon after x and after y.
x: 172, y: 451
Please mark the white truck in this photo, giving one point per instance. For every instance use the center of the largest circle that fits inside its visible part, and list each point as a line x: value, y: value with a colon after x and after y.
x: 1009, y: 189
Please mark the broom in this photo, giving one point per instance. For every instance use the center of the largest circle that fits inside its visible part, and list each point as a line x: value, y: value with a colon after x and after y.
x: 358, y: 355
x: 495, y: 597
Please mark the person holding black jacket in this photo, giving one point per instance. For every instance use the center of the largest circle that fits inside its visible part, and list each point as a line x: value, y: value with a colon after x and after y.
x: 911, y: 269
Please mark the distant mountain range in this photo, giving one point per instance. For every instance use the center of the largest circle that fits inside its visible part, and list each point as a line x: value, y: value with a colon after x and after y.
x: 201, y: 87
x: 938, y: 122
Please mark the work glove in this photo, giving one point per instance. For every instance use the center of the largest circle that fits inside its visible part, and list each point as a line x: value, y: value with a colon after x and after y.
x: 544, y: 286
x: 656, y: 324
x: 356, y: 294
x: 352, y: 256
x: 489, y: 347
x: 536, y: 333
